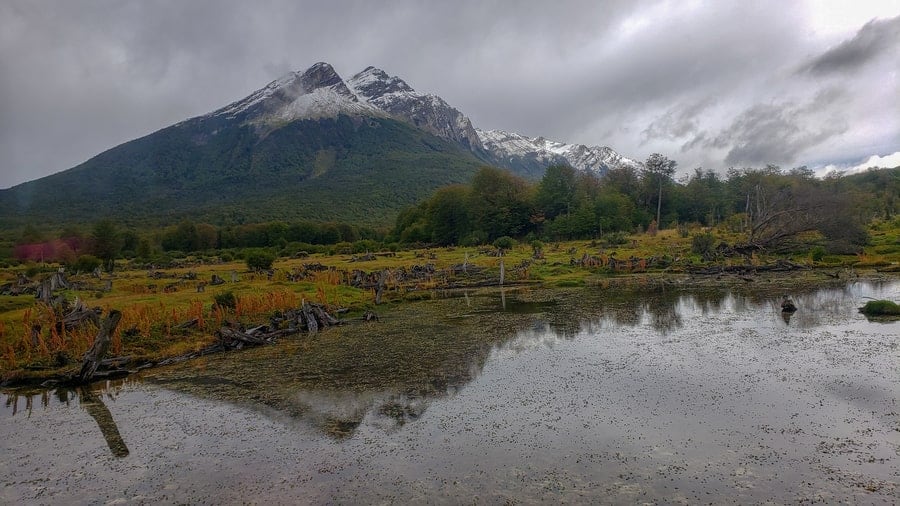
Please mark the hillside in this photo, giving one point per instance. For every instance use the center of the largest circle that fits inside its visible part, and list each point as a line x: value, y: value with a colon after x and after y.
x: 308, y: 145
x: 346, y: 169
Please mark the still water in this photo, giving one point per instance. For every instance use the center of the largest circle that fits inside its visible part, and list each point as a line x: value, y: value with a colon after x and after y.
x: 600, y: 396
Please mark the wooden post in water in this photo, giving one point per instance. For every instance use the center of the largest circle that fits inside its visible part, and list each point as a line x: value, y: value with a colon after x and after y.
x: 98, y: 350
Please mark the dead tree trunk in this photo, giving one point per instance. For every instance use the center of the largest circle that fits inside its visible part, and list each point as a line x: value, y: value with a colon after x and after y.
x: 95, y: 354
x: 379, y: 288
x: 35, y: 335
x: 311, y: 324
x: 45, y: 292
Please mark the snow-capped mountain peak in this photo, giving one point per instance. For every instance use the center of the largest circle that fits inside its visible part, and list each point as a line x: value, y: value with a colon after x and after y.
x: 519, y: 150
x: 317, y: 92
x: 428, y: 112
x: 373, y: 82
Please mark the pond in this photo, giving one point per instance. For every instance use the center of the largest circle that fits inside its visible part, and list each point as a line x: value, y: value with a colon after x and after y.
x: 657, y: 396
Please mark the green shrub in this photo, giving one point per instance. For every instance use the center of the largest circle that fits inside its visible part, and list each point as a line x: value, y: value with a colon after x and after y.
x: 259, y: 260
x: 615, y: 238
x: 476, y: 238
x: 817, y: 253
x: 85, y: 263
x: 366, y: 246
x: 504, y: 243
x: 343, y: 248
x: 704, y: 245
x: 226, y: 300
x: 881, y: 308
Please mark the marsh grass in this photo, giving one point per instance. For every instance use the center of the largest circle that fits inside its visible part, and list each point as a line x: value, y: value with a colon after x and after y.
x: 152, y: 317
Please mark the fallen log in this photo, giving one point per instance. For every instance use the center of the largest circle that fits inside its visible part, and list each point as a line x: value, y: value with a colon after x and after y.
x: 193, y: 322
x: 309, y: 316
x: 778, y: 266
x: 78, y: 315
x: 232, y: 338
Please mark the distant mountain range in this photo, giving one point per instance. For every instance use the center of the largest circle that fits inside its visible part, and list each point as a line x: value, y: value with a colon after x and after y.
x: 308, y: 145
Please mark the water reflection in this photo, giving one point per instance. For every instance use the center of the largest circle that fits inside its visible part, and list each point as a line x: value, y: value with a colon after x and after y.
x: 93, y: 404
x: 89, y: 399
x: 590, y: 396
x: 388, y: 374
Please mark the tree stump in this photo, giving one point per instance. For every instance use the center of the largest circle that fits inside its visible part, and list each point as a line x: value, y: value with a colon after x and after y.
x: 35, y: 335
x: 95, y: 354
x: 379, y: 288
x: 311, y: 324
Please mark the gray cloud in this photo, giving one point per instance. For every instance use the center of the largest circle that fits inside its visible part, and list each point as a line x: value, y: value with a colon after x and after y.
x: 696, y: 80
x: 779, y: 132
x: 875, y: 38
x: 678, y: 122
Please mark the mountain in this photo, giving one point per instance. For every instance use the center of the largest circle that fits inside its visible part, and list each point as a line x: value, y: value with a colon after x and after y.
x: 531, y: 156
x: 308, y: 145
x: 428, y: 112
x: 303, y: 147
x: 319, y: 92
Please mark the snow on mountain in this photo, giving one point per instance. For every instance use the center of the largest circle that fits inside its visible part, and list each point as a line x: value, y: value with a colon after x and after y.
x: 319, y: 92
x: 316, y: 93
x: 513, y: 149
x: 428, y: 112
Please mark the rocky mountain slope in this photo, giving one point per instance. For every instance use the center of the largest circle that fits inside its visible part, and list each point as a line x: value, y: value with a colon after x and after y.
x: 529, y: 155
x: 308, y: 145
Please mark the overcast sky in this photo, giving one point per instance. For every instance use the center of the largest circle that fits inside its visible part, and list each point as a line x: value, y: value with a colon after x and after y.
x: 712, y: 84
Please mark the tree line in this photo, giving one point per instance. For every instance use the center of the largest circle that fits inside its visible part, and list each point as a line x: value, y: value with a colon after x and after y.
x: 771, y: 206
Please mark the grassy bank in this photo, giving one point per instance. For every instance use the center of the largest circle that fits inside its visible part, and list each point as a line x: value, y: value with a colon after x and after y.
x: 157, y: 303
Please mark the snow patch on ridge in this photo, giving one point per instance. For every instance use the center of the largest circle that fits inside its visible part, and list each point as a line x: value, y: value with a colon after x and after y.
x: 257, y: 96
x: 510, y: 146
x: 319, y: 92
x: 321, y: 103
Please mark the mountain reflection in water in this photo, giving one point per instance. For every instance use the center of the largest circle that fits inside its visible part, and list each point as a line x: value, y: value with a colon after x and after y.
x: 391, y: 371
x: 578, y: 396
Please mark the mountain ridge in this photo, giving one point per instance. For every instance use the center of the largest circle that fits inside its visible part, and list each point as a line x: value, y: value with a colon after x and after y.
x: 321, y: 92
x: 302, y: 144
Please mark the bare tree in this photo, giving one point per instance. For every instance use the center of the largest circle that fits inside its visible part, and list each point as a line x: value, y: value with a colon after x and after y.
x: 781, y: 208
x: 660, y: 168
